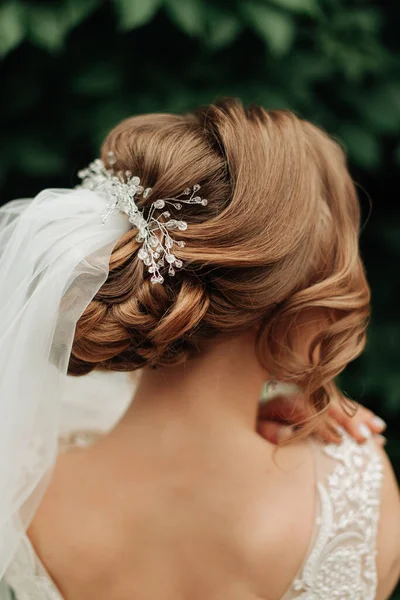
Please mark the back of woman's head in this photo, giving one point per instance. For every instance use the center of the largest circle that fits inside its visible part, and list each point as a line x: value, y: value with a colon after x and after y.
x: 275, y: 249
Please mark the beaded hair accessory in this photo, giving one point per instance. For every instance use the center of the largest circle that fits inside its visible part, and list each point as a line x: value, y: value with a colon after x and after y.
x: 153, y: 229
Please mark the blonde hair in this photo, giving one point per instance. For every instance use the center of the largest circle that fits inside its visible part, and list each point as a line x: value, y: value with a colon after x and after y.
x: 275, y: 249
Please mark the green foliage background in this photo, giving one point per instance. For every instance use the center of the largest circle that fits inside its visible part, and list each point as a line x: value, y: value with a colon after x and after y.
x: 71, y: 70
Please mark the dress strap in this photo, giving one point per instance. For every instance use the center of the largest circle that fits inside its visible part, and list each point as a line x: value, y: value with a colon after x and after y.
x: 342, y: 561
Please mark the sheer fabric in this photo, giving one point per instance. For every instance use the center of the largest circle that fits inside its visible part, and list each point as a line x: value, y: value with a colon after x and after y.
x: 54, y: 256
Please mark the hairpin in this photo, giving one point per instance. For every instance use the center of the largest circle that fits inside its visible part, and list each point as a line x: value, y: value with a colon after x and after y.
x: 122, y: 188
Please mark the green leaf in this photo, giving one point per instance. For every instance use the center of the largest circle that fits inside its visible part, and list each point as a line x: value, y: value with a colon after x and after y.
x: 188, y: 15
x: 77, y: 11
x: 12, y: 27
x: 277, y: 29
x: 135, y: 13
x: 48, y: 26
x: 222, y: 28
x: 362, y: 145
x: 310, y: 7
x: 366, y: 20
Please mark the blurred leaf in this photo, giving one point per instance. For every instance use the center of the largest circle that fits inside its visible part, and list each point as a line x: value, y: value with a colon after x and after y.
x: 188, y: 15
x: 364, y: 20
x: 48, y: 26
x: 277, y: 29
x: 300, y: 6
x: 222, y: 27
x: 362, y: 145
x: 12, y: 27
x: 350, y: 39
x: 77, y: 11
x: 135, y: 13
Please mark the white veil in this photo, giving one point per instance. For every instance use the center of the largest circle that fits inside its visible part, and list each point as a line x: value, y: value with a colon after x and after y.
x: 54, y: 256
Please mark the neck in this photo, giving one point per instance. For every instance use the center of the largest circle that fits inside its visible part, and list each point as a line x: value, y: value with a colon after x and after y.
x: 216, y: 390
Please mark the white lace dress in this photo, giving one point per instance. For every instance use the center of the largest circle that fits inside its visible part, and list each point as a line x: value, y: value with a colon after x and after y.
x: 341, y: 561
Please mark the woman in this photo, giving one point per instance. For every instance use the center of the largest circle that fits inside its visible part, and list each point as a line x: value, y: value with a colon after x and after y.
x: 210, y: 291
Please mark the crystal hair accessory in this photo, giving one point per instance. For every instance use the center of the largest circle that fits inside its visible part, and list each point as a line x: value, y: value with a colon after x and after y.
x: 122, y: 188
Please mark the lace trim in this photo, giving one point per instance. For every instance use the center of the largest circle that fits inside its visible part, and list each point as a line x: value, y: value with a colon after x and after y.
x: 342, y: 563
x: 78, y: 439
x: 27, y: 578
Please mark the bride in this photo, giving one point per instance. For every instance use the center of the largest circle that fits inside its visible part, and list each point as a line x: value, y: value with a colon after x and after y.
x: 209, y: 252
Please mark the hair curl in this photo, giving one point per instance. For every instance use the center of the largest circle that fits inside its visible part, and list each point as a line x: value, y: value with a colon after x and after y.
x: 276, y: 248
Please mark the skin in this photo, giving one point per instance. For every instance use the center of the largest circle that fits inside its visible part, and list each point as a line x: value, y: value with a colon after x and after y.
x: 184, y: 499
x: 277, y: 418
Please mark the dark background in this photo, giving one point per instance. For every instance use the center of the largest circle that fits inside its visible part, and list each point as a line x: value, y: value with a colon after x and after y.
x: 70, y: 70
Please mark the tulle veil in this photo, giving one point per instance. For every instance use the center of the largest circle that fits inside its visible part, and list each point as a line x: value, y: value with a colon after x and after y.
x: 54, y: 257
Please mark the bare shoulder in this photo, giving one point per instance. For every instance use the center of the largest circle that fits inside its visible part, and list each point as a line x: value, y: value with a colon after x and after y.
x: 68, y: 525
x: 388, y: 542
x: 243, y: 517
x: 286, y: 520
